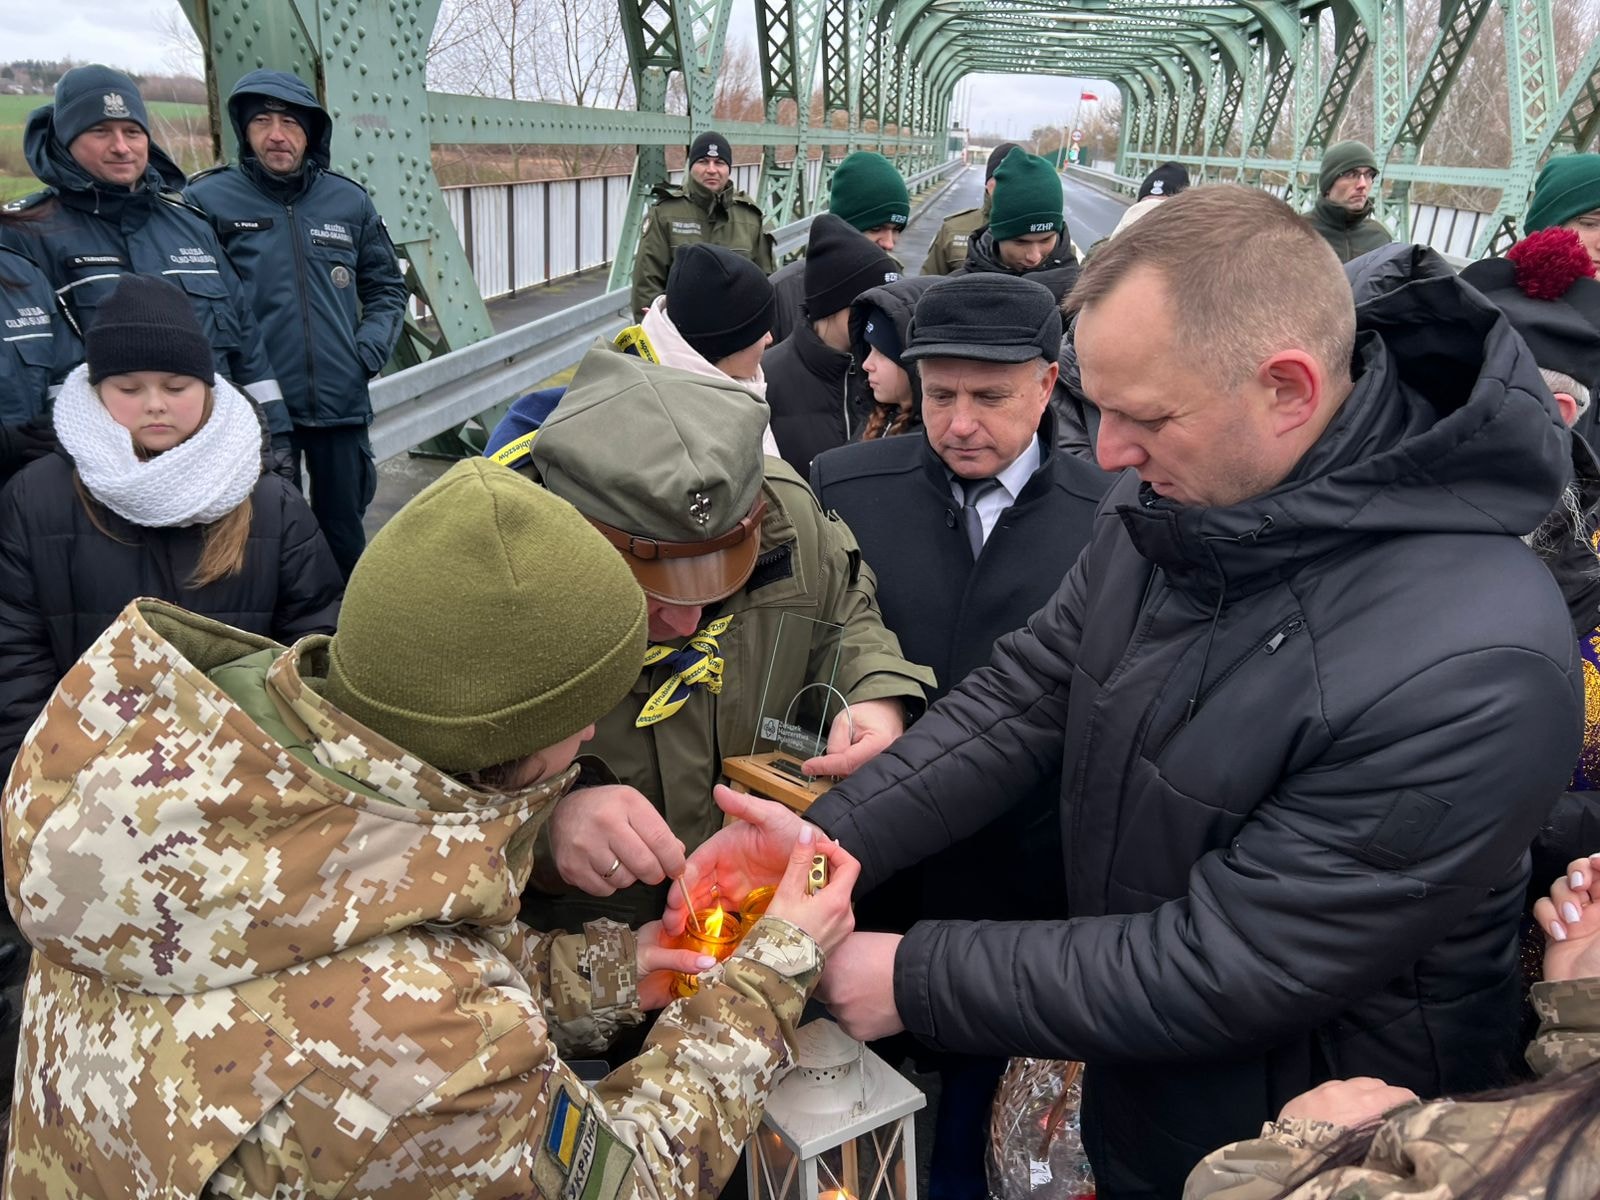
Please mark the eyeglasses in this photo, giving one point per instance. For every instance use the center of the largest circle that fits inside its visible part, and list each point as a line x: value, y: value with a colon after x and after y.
x: 1366, y: 173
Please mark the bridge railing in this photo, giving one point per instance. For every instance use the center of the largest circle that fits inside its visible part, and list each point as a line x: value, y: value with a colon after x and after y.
x: 1450, y: 231
x: 424, y: 401
x: 524, y: 235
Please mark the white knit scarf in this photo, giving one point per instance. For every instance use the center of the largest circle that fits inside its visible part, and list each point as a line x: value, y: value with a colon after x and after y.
x: 194, y: 483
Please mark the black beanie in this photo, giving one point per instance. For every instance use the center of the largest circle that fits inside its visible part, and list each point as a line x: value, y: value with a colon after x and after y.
x: 710, y: 145
x: 996, y: 157
x: 841, y: 263
x: 1166, y: 180
x: 253, y: 104
x: 879, y: 332
x: 719, y: 301
x: 146, y: 324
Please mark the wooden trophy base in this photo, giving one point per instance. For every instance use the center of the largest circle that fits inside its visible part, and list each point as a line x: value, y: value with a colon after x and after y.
x: 758, y: 774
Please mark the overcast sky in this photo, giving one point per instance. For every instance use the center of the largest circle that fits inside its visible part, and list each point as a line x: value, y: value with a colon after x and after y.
x: 126, y: 33
x: 130, y: 34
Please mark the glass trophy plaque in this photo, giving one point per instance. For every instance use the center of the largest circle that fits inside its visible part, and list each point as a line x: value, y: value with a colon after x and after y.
x: 799, y: 705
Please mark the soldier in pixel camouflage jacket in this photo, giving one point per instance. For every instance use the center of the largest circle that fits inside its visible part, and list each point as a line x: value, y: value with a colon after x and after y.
x: 278, y: 954
x: 1539, y: 1142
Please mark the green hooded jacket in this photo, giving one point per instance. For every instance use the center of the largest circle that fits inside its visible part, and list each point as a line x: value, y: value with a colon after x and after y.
x: 686, y: 213
x: 1350, y: 234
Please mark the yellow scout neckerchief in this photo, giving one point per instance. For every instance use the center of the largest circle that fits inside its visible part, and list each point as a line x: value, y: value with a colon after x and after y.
x: 696, y: 665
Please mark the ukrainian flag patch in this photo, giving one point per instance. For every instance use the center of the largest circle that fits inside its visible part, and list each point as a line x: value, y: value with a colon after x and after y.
x: 580, y: 1159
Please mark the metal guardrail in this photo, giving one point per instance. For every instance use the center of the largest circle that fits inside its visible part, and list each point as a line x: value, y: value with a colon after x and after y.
x: 426, y: 400
x: 1450, y: 231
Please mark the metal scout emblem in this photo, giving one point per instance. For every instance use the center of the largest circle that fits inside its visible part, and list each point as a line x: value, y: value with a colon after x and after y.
x: 700, y: 508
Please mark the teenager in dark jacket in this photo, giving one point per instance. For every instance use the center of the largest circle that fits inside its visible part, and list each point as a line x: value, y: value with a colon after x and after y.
x: 814, y: 388
x: 323, y: 280
x: 868, y: 193
x: 1308, y: 694
x: 880, y: 329
x: 1027, y: 230
x: 157, y: 491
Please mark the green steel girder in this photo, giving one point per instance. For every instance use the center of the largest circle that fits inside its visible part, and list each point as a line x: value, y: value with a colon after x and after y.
x: 1579, y: 106
x: 1207, y: 82
x: 1458, y: 27
x: 1531, y: 84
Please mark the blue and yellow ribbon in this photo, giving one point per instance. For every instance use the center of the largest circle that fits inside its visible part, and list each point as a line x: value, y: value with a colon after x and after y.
x: 696, y: 665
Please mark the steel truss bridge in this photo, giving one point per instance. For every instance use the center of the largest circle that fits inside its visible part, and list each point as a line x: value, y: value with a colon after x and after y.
x: 1210, y: 83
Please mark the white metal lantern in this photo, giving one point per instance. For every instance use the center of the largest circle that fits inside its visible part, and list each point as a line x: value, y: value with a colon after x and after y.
x: 838, y: 1128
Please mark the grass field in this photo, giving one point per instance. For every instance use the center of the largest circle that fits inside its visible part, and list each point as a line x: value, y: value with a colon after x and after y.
x: 181, y: 129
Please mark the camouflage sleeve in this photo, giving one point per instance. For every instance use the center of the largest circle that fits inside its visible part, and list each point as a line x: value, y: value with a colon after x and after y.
x: 1261, y: 1168
x: 651, y: 263
x: 1569, y: 1025
x: 871, y: 666
x: 588, y: 982
x: 688, y: 1103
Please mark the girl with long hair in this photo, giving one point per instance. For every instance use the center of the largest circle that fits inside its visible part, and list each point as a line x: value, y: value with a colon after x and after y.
x: 156, y: 491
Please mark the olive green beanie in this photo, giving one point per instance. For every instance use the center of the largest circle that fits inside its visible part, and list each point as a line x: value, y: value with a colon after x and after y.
x: 1342, y: 157
x: 486, y: 621
x: 1027, y: 197
x: 1568, y: 187
x: 868, y: 192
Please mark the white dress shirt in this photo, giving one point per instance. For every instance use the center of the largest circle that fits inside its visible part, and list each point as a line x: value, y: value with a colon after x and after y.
x: 1012, y: 480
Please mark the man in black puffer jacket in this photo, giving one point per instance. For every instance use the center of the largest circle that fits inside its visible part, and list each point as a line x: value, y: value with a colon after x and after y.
x: 1308, y: 694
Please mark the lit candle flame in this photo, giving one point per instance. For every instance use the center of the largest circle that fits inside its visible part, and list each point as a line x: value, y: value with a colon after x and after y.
x: 713, y: 922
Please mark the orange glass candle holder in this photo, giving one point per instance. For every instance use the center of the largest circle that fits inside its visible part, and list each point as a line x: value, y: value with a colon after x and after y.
x: 755, y: 904
x: 713, y: 931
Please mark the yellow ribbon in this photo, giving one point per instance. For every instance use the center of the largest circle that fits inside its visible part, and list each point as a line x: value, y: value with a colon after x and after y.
x: 696, y: 665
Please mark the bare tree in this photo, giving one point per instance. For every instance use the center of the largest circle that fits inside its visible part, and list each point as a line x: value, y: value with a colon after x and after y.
x: 567, y: 51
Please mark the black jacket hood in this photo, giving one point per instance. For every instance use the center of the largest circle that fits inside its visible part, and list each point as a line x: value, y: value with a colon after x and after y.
x: 898, y: 300
x: 1058, y: 272
x: 1449, y: 428
x: 53, y: 165
x: 280, y: 85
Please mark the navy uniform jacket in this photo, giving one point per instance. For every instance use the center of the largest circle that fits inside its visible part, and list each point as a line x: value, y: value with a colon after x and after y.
x: 84, y: 234
x: 37, y: 346
x: 318, y: 267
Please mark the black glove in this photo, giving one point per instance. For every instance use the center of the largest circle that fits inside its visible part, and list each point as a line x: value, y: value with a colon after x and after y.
x: 282, y: 460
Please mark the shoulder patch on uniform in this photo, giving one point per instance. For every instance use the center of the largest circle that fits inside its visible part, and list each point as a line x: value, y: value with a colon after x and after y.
x: 578, y: 1157
x: 774, y: 566
x: 355, y: 183
x: 22, y: 203
x: 177, y: 201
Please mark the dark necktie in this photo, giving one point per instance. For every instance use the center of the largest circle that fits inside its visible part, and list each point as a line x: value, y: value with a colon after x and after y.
x: 972, y: 490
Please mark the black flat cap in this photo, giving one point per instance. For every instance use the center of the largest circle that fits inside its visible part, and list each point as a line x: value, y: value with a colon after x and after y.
x: 988, y: 317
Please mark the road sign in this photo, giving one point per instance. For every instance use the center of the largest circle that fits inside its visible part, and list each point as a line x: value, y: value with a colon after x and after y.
x: 1077, y: 135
